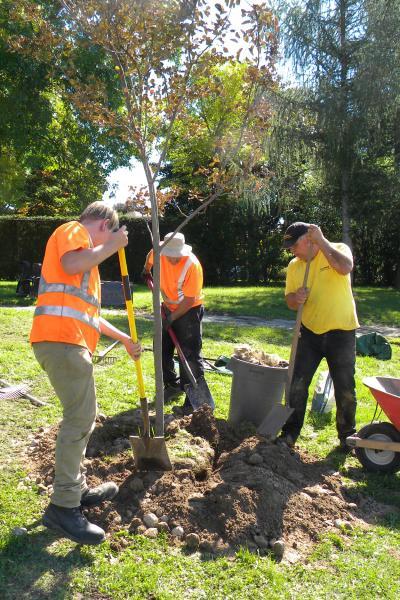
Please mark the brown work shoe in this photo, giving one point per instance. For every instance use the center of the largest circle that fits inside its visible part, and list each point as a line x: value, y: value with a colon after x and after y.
x: 99, y: 494
x: 72, y: 524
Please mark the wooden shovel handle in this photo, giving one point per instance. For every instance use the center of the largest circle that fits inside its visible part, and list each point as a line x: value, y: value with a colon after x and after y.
x: 296, y: 332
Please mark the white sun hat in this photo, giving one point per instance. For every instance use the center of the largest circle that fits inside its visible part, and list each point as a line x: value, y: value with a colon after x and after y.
x: 176, y: 247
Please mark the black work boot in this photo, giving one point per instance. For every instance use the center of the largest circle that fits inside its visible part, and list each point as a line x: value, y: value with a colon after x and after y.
x: 71, y: 523
x: 99, y: 494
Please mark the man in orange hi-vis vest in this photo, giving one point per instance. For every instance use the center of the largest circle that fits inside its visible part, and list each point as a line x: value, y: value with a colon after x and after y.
x: 181, y: 282
x: 66, y: 328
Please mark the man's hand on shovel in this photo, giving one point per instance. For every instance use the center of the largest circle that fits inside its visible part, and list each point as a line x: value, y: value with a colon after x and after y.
x: 301, y: 295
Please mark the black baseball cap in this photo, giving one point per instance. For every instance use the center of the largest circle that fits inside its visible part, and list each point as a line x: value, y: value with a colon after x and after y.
x: 294, y: 232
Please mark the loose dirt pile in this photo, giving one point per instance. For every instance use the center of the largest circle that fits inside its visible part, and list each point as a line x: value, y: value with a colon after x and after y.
x: 228, y: 488
x: 259, y: 357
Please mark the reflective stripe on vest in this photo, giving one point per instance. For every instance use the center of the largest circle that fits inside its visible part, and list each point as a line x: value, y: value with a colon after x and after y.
x: 66, y: 311
x: 181, y: 279
x: 71, y: 290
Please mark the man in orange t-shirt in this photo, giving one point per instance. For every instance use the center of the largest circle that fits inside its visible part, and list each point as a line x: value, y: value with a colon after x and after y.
x: 65, y: 330
x: 181, y: 282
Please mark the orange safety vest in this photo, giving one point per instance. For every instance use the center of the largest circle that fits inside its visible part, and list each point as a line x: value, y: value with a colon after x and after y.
x: 68, y: 306
x: 180, y: 280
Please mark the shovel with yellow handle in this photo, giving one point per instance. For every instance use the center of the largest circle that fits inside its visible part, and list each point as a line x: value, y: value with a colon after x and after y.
x: 150, y: 453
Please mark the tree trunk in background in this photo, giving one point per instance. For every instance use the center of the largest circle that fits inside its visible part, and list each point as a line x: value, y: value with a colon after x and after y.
x: 345, y: 206
x: 345, y: 150
x: 396, y: 150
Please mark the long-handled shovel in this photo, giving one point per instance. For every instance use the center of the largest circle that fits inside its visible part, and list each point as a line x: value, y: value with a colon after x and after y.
x: 149, y: 452
x: 197, y: 391
x: 279, y: 414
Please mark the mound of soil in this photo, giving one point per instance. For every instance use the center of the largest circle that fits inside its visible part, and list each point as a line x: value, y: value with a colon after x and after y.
x: 251, y: 493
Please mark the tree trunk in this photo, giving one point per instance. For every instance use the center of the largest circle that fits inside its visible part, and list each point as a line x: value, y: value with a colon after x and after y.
x: 156, y: 300
x: 345, y: 150
x: 344, y: 184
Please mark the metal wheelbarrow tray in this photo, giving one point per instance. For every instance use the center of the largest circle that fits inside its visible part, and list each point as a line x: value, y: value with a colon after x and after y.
x: 377, y: 445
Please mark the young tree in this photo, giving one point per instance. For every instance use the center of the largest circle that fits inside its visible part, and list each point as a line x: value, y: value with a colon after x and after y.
x: 157, y: 49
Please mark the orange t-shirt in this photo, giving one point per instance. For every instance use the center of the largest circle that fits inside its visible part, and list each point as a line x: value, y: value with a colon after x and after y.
x: 184, y: 279
x: 48, y: 328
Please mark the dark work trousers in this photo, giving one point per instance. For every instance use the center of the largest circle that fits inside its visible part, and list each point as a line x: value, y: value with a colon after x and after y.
x: 339, y: 349
x: 188, y: 331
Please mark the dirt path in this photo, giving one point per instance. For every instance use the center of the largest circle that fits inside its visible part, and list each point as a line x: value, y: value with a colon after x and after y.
x: 289, y: 324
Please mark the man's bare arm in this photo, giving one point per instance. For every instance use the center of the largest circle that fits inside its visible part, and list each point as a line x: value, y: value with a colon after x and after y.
x: 80, y: 261
x: 341, y: 262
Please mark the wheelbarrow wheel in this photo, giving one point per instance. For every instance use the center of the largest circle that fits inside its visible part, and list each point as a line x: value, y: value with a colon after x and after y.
x: 384, y: 461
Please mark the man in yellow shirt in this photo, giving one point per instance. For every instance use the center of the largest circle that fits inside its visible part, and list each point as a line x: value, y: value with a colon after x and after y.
x: 181, y: 283
x: 328, y: 326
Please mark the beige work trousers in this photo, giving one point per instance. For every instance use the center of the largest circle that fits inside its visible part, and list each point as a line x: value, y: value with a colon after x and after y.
x: 70, y: 371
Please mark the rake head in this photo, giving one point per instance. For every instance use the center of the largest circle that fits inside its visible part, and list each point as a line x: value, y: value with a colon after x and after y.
x: 12, y: 392
x: 103, y: 360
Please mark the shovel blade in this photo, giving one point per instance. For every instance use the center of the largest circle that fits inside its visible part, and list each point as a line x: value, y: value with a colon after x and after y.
x: 199, y: 395
x: 150, y: 453
x: 274, y: 421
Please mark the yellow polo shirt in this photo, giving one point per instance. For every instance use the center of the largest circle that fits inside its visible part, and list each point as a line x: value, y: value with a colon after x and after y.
x: 330, y: 304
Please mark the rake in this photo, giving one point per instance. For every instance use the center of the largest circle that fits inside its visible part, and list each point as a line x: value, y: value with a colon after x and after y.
x: 102, y: 357
x: 11, y: 392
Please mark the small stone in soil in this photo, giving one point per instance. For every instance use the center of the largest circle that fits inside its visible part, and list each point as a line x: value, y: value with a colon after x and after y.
x: 141, y: 529
x: 278, y: 548
x: 19, y: 531
x: 162, y: 526
x: 152, y: 532
x: 150, y: 519
x: 206, y: 546
x: 178, y: 532
x: 192, y: 541
x: 135, y: 523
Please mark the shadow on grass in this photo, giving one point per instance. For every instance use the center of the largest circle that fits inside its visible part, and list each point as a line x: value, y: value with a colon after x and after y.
x: 25, y: 560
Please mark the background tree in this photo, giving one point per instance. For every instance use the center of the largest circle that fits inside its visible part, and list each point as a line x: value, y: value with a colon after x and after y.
x: 323, y: 40
x: 51, y: 160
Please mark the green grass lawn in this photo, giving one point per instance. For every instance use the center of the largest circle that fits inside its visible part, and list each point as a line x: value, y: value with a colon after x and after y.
x: 374, y: 305
x: 361, y: 564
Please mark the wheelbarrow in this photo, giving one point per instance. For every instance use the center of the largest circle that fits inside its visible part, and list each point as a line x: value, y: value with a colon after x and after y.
x: 377, y: 445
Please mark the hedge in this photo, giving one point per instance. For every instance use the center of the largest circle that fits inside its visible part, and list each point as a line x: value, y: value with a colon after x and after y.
x: 231, y: 247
